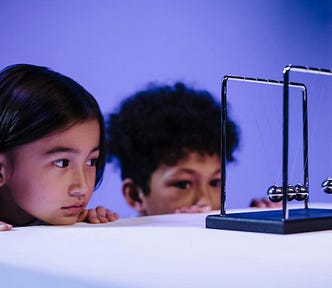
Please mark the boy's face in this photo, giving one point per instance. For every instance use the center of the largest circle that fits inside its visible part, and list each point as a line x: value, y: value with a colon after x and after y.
x: 53, y: 178
x: 191, y: 185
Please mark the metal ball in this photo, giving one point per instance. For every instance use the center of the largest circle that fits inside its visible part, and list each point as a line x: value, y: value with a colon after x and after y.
x: 327, y: 185
x: 291, y: 193
x: 274, y: 193
x: 301, y: 192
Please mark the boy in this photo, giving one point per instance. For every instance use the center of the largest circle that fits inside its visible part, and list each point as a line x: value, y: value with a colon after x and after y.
x: 166, y: 140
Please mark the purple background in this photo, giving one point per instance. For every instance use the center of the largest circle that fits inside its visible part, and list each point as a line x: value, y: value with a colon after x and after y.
x: 115, y: 47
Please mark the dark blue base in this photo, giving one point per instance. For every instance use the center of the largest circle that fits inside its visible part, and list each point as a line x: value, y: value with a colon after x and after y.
x: 300, y: 220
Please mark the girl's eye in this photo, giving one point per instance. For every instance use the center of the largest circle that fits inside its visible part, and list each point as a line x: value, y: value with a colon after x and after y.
x: 62, y: 163
x: 182, y: 184
x: 92, y: 162
x: 215, y: 183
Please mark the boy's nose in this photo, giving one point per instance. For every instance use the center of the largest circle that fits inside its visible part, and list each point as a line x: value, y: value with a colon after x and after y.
x: 203, y: 197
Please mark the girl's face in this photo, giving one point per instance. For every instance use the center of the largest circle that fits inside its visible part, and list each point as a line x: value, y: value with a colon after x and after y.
x: 192, y: 185
x: 53, y: 178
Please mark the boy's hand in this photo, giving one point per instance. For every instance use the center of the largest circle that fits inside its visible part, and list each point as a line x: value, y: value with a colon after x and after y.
x: 98, y: 215
x: 264, y: 203
x: 194, y: 209
x: 5, y: 227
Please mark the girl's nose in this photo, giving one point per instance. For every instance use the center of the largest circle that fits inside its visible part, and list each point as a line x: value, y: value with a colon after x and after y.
x: 79, y: 185
x: 77, y: 194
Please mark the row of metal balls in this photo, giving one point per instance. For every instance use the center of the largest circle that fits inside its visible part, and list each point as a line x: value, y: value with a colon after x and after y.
x: 298, y: 192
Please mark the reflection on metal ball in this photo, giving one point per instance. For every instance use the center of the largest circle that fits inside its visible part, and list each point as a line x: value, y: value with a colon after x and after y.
x: 301, y: 192
x: 274, y: 193
x: 327, y: 185
x: 291, y: 193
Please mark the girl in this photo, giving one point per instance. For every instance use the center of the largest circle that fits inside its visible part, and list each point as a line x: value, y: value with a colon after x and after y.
x: 52, y: 149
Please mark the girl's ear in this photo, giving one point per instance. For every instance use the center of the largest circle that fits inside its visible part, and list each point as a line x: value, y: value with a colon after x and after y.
x: 134, y: 195
x: 2, y: 169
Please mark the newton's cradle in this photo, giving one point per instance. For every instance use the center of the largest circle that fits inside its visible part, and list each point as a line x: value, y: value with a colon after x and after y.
x: 285, y: 220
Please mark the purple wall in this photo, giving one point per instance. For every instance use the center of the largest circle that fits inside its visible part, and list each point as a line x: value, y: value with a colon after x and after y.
x: 116, y: 47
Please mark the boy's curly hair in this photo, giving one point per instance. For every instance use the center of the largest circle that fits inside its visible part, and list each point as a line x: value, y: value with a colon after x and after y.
x: 161, y: 125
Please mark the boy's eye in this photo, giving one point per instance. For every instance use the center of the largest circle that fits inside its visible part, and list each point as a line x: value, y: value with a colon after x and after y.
x: 182, y: 184
x: 215, y: 183
x: 92, y: 162
x: 62, y: 163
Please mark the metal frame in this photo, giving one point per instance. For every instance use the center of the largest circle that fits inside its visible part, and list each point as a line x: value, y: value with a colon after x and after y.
x: 224, y: 134
x: 287, y: 84
x: 282, y: 221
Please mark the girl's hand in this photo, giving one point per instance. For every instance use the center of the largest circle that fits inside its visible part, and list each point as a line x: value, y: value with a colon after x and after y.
x: 194, y: 209
x: 98, y: 215
x: 5, y: 227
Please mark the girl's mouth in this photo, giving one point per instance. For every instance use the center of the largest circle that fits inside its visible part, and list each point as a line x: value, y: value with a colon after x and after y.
x: 73, y: 209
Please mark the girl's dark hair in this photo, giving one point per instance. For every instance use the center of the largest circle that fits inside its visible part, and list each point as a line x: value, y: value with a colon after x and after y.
x: 36, y: 102
x: 160, y: 125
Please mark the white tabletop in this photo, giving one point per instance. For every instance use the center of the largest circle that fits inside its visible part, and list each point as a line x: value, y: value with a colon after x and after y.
x: 162, y: 251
